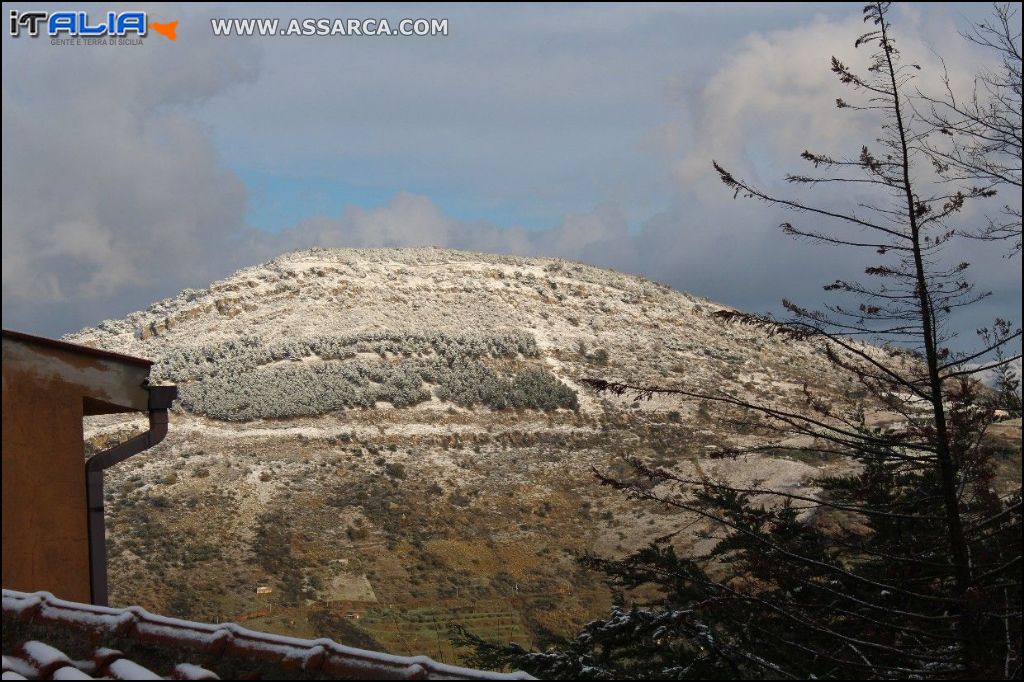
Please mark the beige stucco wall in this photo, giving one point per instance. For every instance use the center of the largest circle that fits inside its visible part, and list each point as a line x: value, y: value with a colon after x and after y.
x: 45, y: 533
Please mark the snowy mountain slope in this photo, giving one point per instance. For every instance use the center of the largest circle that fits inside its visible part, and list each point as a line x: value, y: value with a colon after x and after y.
x: 409, y: 425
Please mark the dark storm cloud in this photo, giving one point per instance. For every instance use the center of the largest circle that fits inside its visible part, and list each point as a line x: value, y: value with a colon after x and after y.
x: 112, y: 190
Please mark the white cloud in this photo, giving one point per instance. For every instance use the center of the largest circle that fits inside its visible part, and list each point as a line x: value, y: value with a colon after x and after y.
x: 775, y: 95
x: 414, y: 220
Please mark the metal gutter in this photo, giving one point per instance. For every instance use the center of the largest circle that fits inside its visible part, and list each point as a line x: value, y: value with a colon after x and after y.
x: 160, y: 399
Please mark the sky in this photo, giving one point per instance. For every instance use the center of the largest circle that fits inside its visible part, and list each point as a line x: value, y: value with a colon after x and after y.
x: 578, y: 131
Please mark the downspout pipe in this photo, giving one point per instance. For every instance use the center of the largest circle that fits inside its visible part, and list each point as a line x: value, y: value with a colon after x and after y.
x: 160, y: 399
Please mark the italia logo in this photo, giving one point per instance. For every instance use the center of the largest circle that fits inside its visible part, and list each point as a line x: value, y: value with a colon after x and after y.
x: 80, y: 24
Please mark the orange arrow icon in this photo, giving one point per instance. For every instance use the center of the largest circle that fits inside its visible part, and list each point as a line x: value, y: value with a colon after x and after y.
x: 167, y: 30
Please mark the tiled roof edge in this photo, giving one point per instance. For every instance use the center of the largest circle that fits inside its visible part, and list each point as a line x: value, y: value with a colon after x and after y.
x: 320, y: 656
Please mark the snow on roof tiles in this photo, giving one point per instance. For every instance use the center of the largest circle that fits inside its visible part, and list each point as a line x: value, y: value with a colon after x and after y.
x: 212, y: 645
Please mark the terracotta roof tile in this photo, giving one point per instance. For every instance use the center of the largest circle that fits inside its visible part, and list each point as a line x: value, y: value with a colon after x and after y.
x: 170, y: 648
x: 36, y: 660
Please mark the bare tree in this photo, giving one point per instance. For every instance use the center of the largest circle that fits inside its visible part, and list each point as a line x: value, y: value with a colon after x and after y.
x: 914, y: 290
x: 918, y: 574
x: 979, y: 133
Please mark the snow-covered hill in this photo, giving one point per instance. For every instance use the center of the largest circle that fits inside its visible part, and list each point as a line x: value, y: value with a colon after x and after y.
x: 334, y: 321
x: 405, y: 433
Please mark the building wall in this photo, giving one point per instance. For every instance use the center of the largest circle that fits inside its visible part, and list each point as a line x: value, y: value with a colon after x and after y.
x: 46, y: 391
x: 45, y: 532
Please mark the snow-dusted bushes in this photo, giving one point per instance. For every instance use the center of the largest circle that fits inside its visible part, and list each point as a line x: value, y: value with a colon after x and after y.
x: 250, y: 351
x: 472, y: 383
x: 291, y: 391
x: 245, y: 379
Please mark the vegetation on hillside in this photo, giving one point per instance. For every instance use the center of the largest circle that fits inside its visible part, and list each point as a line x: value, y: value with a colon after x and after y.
x: 245, y: 379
